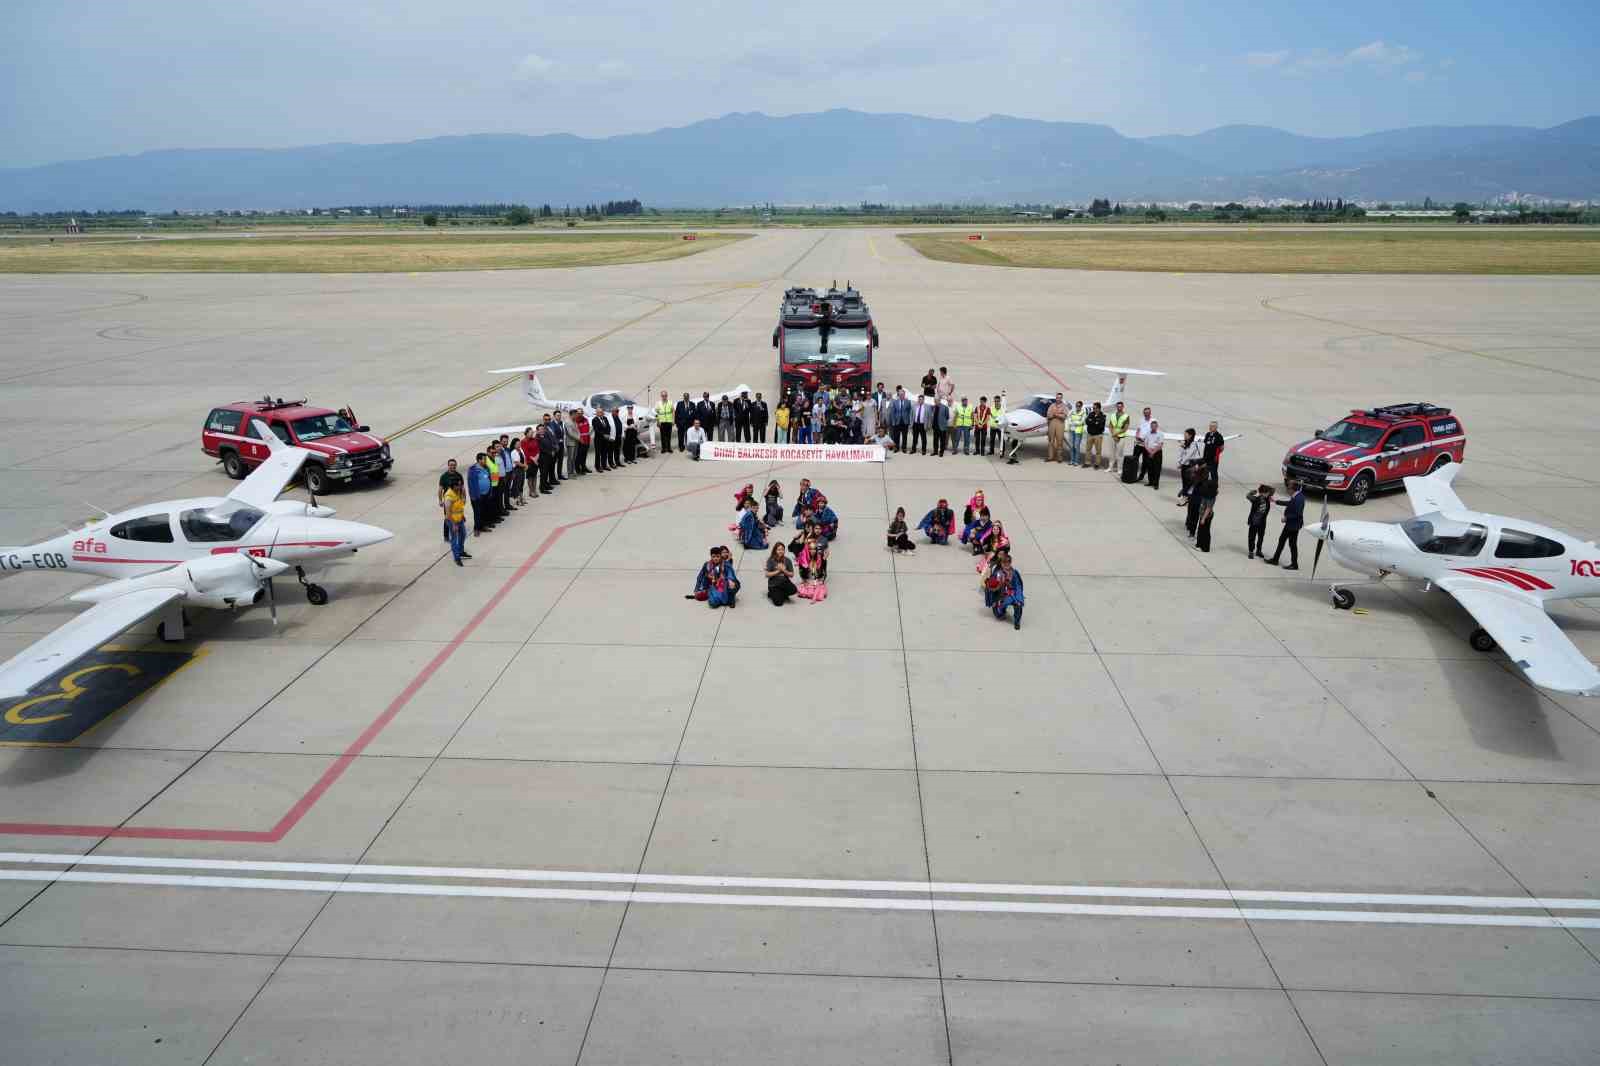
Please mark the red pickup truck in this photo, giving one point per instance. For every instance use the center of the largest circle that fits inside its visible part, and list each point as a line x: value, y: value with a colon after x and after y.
x: 342, y: 450
x: 1376, y: 448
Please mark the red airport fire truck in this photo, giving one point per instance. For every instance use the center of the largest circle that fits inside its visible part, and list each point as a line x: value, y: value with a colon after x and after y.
x: 824, y: 338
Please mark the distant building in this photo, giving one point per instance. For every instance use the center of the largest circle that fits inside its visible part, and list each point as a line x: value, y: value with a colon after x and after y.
x: 74, y: 226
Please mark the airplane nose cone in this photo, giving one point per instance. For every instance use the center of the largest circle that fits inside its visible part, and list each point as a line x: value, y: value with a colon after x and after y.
x: 361, y: 535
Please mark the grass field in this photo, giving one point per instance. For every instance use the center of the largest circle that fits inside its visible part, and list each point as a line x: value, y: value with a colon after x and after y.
x: 1454, y: 250
x: 314, y: 254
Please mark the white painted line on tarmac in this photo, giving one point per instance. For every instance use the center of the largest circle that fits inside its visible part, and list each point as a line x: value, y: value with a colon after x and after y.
x: 924, y: 903
x: 965, y: 888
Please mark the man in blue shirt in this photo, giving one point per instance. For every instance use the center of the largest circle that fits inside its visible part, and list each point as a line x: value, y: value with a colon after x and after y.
x: 1294, y: 516
x: 478, y: 493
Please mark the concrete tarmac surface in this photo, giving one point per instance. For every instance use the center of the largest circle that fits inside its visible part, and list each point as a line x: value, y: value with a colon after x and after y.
x: 544, y: 810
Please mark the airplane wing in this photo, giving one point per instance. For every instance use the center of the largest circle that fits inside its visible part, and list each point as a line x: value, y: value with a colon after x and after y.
x: 271, y: 477
x: 79, y: 637
x: 534, y: 369
x: 1436, y: 492
x: 484, y: 434
x: 1527, y: 634
x: 1225, y: 436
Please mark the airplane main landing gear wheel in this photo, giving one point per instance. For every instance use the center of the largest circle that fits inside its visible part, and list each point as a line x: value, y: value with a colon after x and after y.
x: 177, y: 637
x: 1343, y: 599
x: 1481, y: 640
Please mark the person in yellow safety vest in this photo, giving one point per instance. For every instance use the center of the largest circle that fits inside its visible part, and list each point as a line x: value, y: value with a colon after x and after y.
x: 664, y: 423
x: 962, y: 420
x: 1117, y: 430
x: 1075, y: 424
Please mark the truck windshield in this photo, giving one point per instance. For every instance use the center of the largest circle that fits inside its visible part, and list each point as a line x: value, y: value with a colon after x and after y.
x: 844, y: 346
x: 1345, y: 432
x: 315, y: 427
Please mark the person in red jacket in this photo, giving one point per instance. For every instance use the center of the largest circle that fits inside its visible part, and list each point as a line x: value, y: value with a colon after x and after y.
x: 528, y: 445
x: 580, y: 464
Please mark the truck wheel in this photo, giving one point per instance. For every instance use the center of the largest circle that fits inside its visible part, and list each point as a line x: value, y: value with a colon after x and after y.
x: 317, y: 482
x: 1359, y: 490
x: 232, y: 465
x: 378, y: 475
x: 1442, y: 461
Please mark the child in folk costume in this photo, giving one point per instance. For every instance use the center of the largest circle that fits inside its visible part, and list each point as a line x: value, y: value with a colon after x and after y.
x: 813, y: 560
x: 940, y: 523
x: 1003, y: 590
x: 707, y: 575
x: 752, y: 531
x: 724, y: 582
x: 739, y: 498
x: 827, y: 521
x: 974, y: 505
x: 978, y: 530
x: 897, y: 539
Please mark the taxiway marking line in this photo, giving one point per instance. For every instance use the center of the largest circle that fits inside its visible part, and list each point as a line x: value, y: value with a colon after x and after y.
x: 337, y: 768
x: 1024, y: 353
x: 924, y: 903
x: 977, y: 888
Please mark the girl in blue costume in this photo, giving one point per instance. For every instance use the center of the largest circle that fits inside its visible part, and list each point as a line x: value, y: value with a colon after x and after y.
x: 940, y: 523
x: 724, y: 582
x: 976, y: 532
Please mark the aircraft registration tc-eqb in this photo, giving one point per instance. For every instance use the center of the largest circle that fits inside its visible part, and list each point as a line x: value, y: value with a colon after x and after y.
x: 216, y: 552
x: 1502, y: 570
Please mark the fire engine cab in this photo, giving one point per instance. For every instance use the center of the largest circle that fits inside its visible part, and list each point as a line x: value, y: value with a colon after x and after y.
x: 824, y: 338
x: 1376, y: 448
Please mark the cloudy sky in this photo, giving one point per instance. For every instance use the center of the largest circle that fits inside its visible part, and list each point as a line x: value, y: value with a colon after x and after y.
x: 110, y: 77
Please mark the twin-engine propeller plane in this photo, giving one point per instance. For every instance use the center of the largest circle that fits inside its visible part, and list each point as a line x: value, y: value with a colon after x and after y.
x: 217, y: 552
x: 644, y: 408
x: 1028, y: 422
x: 1502, y: 570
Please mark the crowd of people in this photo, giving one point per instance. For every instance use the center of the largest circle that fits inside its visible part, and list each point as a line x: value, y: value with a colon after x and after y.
x: 933, y: 420
x: 507, y: 474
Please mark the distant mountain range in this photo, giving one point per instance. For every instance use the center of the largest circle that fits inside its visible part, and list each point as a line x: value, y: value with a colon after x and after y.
x: 837, y: 157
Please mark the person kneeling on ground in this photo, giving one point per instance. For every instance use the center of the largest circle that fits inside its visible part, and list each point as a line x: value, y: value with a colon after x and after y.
x: 940, y: 523
x: 1003, y: 590
x: 752, y: 531
x: 695, y: 437
x: 780, y: 576
x: 724, y: 583
x: 774, y: 498
x: 708, y: 574
x: 977, y: 530
x: 827, y: 521
x: 897, y: 539
x: 813, y: 560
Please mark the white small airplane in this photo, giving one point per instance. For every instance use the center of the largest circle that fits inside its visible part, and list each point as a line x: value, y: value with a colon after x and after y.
x: 1028, y: 421
x: 218, y: 552
x: 1502, y: 570
x: 644, y: 409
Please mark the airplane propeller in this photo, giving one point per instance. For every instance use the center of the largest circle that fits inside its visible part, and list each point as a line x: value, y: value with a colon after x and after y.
x: 1326, y: 534
x: 265, y: 579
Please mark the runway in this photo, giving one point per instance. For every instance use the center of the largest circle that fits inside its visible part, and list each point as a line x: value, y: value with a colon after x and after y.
x: 546, y: 810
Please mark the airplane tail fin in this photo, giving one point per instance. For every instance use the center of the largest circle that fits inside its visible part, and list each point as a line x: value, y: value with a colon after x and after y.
x: 532, y: 387
x: 1122, y: 372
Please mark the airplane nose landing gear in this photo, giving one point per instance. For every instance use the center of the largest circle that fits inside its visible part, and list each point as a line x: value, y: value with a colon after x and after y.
x: 316, y: 595
x: 1343, y: 599
x: 1481, y: 640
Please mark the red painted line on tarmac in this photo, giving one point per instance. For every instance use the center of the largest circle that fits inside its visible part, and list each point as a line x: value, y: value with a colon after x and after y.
x: 1024, y: 353
x: 303, y: 805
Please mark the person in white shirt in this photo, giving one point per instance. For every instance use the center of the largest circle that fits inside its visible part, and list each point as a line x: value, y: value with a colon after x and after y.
x: 1190, y: 452
x: 1141, y: 431
x: 1150, y: 446
x: 693, y: 439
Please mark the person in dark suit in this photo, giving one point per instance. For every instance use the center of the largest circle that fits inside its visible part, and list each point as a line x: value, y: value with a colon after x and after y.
x: 683, y: 416
x: 1294, y: 516
x: 706, y: 413
x: 600, y: 429
x: 618, y: 435
x: 899, y: 419
x: 758, y: 419
x: 741, y: 417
